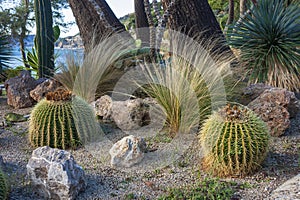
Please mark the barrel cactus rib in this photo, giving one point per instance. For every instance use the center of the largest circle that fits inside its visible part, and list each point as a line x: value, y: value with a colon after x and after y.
x: 241, y: 141
x: 53, y: 121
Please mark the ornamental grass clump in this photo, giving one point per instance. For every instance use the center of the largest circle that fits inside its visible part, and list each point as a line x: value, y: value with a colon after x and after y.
x: 189, y: 85
x: 61, y: 120
x: 234, y: 141
x: 269, y: 42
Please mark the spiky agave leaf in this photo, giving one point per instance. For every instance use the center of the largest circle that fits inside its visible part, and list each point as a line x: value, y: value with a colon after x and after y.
x: 269, y: 41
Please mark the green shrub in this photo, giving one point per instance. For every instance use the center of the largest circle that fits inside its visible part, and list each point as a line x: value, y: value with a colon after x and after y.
x: 61, y: 121
x: 209, y: 188
x: 3, y: 186
x: 234, y: 141
x: 269, y: 40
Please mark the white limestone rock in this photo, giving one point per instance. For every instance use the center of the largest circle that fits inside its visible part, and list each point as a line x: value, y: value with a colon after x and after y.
x: 55, y: 174
x: 128, y: 151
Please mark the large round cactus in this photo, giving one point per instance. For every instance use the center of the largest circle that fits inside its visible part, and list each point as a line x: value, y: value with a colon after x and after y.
x: 61, y: 120
x: 234, y: 141
x: 3, y: 186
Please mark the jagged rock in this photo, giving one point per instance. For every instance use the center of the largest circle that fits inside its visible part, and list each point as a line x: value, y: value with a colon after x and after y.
x: 40, y: 91
x: 127, y: 151
x: 275, y: 106
x: 18, y: 89
x: 253, y: 91
x: 55, y: 174
x: 103, y: 107
x: 129, y: 114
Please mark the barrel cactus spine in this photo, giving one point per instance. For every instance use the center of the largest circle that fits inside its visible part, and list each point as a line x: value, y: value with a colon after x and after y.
x: 61, y: 120
x: 234, y: 142
x: 3, y: 186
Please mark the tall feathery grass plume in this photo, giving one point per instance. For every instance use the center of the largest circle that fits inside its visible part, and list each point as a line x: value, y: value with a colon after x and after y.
x: 189, y: 85
x: 268, y: 40
x: 98, y: 66
x: 67, y: 72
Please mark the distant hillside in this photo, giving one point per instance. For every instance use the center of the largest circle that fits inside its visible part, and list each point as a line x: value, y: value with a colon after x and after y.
x: 69, y: 42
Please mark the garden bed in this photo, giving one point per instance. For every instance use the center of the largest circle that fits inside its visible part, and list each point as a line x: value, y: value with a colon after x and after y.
x: 183, y: 178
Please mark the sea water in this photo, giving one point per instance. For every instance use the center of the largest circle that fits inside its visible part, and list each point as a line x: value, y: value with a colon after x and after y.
x: 61, y: 55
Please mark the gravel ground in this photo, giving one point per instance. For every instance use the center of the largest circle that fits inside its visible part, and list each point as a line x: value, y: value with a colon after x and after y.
x: 105, y: 182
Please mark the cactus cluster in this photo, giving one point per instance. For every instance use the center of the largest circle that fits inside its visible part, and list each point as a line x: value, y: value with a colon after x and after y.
x: 234, y: 141
x: 61, y: 120
x: 3, y: 186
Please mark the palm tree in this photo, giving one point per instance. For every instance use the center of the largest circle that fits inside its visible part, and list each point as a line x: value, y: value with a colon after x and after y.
x: 5, y: 53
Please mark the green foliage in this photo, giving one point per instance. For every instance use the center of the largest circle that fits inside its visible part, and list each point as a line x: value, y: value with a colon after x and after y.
x: 269, y: 41
x: 185, y: 86
x: 221, y: 8
x: 10, y: 73
x: 44, y: 37
x: 61, y: 121
x: 32, y: 56
x: 209, y: 188
x: 234, y: 141
x: 3, y: 186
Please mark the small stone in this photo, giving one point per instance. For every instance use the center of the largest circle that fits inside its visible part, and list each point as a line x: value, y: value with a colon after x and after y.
x: 55, y: 174
x: 14, y: 117
x: 128, y: 151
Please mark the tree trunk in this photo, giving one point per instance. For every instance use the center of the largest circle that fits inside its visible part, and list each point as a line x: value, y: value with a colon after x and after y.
x: 141, y: 23
x: 230, y: 12
x: 242, y: 7
x: 95, y: 20
x: 23, y: 35
x: 195, y: 17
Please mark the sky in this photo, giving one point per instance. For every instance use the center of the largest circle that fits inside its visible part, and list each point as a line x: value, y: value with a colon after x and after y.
x: 119, y: 7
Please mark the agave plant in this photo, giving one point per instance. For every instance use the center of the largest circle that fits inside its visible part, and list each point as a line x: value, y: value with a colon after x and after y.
x: 269, y: 41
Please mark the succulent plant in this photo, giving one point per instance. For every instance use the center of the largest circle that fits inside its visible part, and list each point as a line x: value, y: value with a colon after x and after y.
x: 44, y: 38
x: 268, y: 39
x: 61, y: 120
x: 3, y: 186
x: 234, y: 141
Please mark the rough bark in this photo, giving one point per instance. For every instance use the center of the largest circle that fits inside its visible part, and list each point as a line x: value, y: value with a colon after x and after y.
x: 141, y: 23
x: 195, y: 17
x: 242, y: 7
x: 95, y: 19
x: 23, y: 34
x: 230, y: 12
